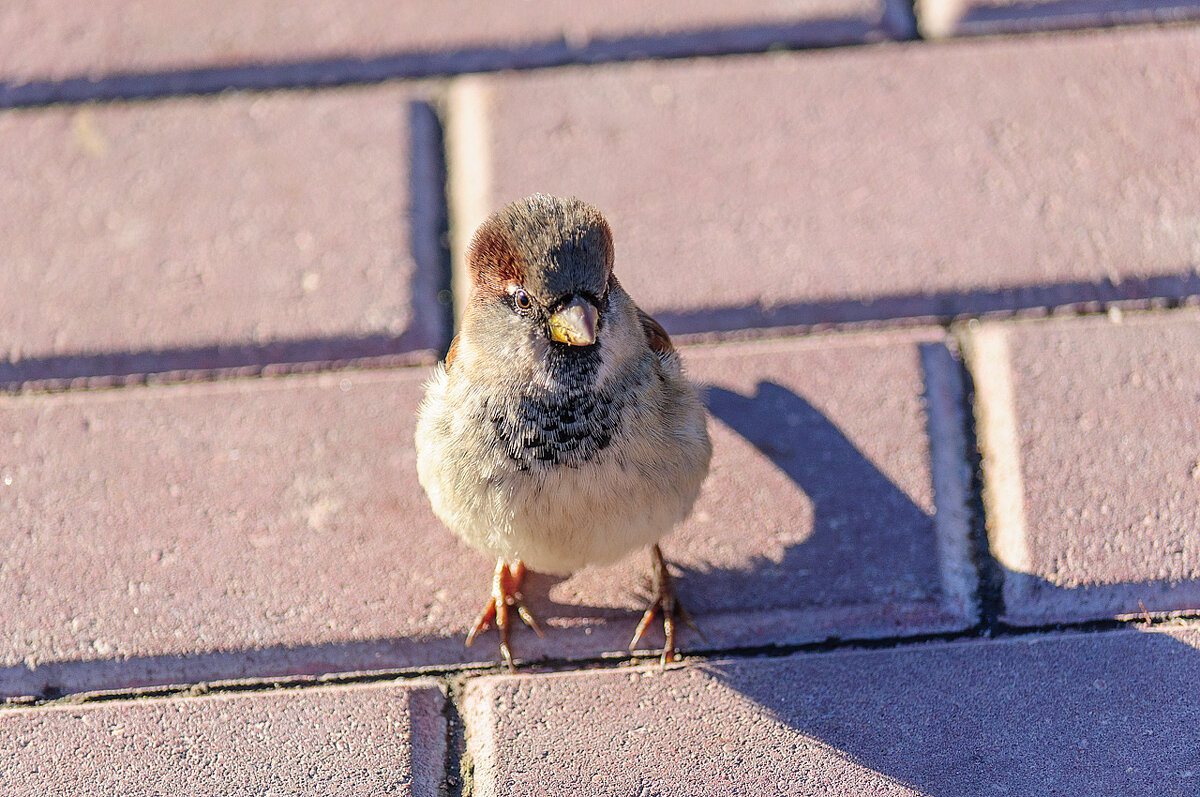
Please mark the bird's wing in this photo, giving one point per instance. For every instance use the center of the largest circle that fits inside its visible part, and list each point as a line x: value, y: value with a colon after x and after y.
x: 452, y: 351
x: 656, y: 336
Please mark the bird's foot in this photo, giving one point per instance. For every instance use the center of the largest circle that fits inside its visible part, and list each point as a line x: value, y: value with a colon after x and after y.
x: 506, y: 598
x: 666, y: 603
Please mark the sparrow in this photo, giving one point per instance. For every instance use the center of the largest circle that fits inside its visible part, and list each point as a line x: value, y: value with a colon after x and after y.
x: 560, y: 431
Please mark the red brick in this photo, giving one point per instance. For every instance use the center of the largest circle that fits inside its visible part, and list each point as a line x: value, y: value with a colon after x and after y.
x: 1103, y: 714
x: 266, y: 527
x: 1090, y: 431
x: 869, y: 182
x: 196, y: 532
x: 379, y: 739
x: 47, y: 39
x: 178, y: 234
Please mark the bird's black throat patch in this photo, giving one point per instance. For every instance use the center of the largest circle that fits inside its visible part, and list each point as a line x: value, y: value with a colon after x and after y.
x: 567, y: 426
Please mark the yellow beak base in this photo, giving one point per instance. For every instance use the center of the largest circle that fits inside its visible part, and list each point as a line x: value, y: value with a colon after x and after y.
x: 575, y: 323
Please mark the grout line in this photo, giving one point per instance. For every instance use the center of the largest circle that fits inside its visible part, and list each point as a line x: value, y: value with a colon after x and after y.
x: 951, y: 480
x: 456, y: 776
x: 989, y: 573
x: 901, y: 20
x: 1056, y: 17
x: 332, y: 72
x: 469, y: 174
x: 998, y: 439
x: 100, y: 382
x: 454, y: 677
x: 1017, y: 312
x: 419, y: 357
x: 441, y: 675
x: 1002, y: 631
x: 428, y: 220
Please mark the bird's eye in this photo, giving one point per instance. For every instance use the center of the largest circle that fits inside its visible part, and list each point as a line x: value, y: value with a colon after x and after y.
x: 522, y: 300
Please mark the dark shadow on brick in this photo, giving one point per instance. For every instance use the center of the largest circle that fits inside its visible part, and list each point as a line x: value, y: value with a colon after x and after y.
x: 866, y: 532
x: 98, y: 370
x: 329, y: 72
x: 934, y: 719
x: 1076, y: 13
x: 1039, y: 716
x: 932, y: 306
x: 429, y: 333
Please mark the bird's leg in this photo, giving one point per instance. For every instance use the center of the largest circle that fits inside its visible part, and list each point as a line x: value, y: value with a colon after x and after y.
x: 506, y: 596
x: 664, y: 601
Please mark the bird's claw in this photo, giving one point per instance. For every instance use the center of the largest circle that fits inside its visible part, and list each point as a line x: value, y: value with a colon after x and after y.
x: 506, y: 597
x: 668, y: 604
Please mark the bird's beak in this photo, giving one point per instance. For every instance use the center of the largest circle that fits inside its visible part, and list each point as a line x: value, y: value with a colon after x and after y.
x: 575, y: 323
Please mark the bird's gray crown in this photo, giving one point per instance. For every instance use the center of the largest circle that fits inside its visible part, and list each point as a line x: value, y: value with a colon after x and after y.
x: 551, y: 246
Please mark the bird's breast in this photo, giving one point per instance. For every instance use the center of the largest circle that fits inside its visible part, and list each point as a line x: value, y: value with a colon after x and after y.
x: 543, y: 430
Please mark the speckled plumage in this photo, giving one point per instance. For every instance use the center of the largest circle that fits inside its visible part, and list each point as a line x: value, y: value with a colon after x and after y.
x: 559, y: 456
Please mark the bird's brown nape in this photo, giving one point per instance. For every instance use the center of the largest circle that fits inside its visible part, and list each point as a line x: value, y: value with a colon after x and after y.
x: 656, y: 337
x: 493, y: 260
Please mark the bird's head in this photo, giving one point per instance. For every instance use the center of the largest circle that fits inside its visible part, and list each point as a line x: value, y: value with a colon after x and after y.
x: 541, y: 272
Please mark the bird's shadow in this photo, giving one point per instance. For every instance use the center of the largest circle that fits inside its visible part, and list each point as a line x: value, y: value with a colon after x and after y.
x: 1098, y: 714
x: 864, y: 529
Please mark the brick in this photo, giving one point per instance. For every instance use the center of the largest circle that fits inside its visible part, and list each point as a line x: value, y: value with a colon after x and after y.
x: 753, y: 192
x: 217, y: 232
x: 1091, y: 466
x: 48, y: 40
x: 199, y: 532
x: 939, y: 18
x: 378, y: 739
x: 1102, y: 714
x: 276, y: 526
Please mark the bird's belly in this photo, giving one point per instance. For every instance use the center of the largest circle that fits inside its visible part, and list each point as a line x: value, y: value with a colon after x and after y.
x: 591, y: 515
x: 559, y: 519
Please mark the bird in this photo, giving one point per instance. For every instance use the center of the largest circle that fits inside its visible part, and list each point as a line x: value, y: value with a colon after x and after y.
x: 560, y: 431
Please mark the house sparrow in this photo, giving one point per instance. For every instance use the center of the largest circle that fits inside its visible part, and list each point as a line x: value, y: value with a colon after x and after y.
x: 560, y: 432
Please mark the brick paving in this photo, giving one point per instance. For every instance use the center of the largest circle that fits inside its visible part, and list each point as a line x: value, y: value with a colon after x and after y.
x: 376, y: 739
x: 1101, y: 514
x: 1051, y: 715
x: 131, y: 506
x: 218, y: 313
